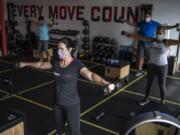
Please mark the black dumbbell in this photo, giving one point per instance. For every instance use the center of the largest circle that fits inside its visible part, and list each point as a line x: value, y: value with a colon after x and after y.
x: 85, y: 23
x: 113, y: 41
x: 101, y: 39
x: 85, y: 46
x: 106, y: 90
x: 95, y: 39
x: 107, y: 40
x: 104, y: 60
x: 85, y: 39
x: 101, y: 48
x: 7, y: 81
x: 98, y: 58
x: 122, y: 20
x: 123, y: 32
x: 16, y: 66
x: 85, y: 31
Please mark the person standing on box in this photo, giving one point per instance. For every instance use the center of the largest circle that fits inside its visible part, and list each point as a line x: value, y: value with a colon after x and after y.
x: 43, y: 30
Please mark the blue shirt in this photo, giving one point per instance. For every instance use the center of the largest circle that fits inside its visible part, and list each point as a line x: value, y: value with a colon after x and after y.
x: 43, y: 32
x: 148, y: 29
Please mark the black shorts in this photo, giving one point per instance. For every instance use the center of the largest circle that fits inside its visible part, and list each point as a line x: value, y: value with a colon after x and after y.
x: 43, y: 45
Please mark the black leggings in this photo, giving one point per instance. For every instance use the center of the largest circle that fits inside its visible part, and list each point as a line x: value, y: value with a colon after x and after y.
x: 69, y: 113
x: 161, y: 72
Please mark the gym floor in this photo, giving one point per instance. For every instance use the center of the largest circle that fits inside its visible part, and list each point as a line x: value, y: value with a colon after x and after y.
x: 34, y: 94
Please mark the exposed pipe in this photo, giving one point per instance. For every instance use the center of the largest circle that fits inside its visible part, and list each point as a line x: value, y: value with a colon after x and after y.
x: 3, y: 31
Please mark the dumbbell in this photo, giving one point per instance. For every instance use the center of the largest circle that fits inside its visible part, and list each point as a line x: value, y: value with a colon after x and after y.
x: 122, y: 20
x: 96, y: 39
x: 101, y: 39
x: 85, y: 31
x: 106, y: 90
x: 85, y: 46
x: 107, y: 40
x: 104, y: 60
x: 85, y: 23
x: 85, y: 39
x: 178, y: 29
x: 16, y: 66
x: 7, y: 81
x: 178, y: 26
x: 113, y: 41
x: 123, y: 33
x: 99, y: 116
x: 112, y: 61
x: 98, y: 59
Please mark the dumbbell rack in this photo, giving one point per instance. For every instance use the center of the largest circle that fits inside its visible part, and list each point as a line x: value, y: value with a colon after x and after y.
x: 125, y: 52
x: 73, y: 34
x: 86, y: 40
x: 101, y: 52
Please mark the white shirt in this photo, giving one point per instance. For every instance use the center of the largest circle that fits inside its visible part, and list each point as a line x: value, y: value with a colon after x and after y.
x: 158, y: 54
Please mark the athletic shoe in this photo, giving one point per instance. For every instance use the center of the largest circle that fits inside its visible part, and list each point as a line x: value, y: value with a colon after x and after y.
x: 163, y: 102
x: 139, y: 73
x: 144, y: 102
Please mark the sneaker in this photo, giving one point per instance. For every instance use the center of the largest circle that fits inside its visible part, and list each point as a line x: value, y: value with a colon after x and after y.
x: 139, y: 73
x: 144, y: 102
x: 162, y: 102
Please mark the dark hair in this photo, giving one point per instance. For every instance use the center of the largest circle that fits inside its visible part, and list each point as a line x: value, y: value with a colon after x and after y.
x: 69, y: 44
x: 40, y: 18
x: 148, y: 13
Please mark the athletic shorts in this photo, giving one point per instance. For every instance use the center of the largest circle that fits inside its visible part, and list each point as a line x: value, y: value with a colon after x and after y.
x: 43, y: 45
x: 142, y: 51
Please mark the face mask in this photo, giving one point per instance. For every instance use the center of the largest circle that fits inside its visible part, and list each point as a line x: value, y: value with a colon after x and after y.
x: 148, y: 19
x: 62, y: 54
x: 160, y: 37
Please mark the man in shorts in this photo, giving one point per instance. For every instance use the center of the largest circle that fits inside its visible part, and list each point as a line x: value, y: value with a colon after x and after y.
x: 146, y: 28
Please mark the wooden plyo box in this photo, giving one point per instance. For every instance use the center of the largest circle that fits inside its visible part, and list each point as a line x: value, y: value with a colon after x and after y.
x: 15, y: 130
x: 36, y: 53
x: 119, y: 71
x: 153, y: 129
x: 12, y: 122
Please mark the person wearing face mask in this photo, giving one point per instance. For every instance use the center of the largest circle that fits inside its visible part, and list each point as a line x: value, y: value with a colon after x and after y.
x: 146, y: 28
x: 43, y: 44
x: 66, y: 70
x: 157, y: 63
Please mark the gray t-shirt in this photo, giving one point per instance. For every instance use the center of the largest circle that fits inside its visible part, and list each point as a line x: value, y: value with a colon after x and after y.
x: 66, y: 82
x: 157, y: 54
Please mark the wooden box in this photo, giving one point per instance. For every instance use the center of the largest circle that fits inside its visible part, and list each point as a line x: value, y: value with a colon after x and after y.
x: 15, y: 130
x: 36, y: 53
x: 117, y: 72
x: 152, y: 129
x: 12, y: 122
